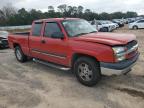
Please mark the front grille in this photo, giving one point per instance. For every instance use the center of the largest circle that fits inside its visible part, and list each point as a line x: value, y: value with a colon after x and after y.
x: 131, y: 44
x: 129, y: 47
x: 4, y: 42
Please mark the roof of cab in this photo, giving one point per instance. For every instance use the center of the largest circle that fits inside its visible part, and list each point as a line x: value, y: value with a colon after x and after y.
x: 55, y: 19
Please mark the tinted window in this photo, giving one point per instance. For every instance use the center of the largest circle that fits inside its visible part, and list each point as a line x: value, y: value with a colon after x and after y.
x: 37, y: 29
x: 142, y: 21
x: 51, y: 28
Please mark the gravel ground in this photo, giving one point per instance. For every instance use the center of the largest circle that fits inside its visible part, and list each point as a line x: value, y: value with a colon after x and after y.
x: 32, y: 85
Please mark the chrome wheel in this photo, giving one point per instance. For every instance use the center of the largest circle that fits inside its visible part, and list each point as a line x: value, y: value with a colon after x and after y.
x: 85, y: 71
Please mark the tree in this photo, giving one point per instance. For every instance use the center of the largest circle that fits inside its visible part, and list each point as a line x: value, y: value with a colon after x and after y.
x: 62, y: 8
x: 104, y: 16
x: 10, y: 16
x: 87, y: 11
x: 74, y: 13
x: 8, y: 11
x: 80, y: 9
x: 131, y: 14
x: 117, y: 15
x: 51, y: 9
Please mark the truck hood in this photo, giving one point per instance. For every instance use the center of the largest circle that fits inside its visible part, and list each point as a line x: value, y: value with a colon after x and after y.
x: 106, y: 38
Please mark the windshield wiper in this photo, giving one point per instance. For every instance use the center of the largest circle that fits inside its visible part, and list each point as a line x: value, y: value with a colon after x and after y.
x: 80, y: 34
x: 84, y: 33
x: 93, y: 32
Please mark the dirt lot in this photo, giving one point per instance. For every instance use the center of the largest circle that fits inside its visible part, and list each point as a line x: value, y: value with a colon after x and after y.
x: 33, y: 85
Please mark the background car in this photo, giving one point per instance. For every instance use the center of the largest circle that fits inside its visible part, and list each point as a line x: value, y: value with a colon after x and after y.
x: 103, y: 25
x: 114, y: 25
x: 3, y: 39
x: 96, y: 25
x: 106, y: 27
x: 137, y: 24
x: 119, y: 22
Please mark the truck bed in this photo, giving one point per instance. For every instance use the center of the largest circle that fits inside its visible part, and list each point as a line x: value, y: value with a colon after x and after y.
x: 22, y: 33
x: 20, y: 39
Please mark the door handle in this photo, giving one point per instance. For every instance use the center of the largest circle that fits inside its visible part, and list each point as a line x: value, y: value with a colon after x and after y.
x: 43, y: 41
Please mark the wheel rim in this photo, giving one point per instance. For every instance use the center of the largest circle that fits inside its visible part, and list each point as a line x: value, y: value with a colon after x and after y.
x: 85, y: 71
x: 135, y: 27
x: 18, y: 54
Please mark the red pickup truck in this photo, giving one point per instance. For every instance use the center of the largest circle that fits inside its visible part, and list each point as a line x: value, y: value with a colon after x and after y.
x: 72, y: 43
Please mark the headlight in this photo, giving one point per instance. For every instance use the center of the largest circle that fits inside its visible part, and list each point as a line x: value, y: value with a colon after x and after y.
x: 118, y: 50
x: 119, y: 53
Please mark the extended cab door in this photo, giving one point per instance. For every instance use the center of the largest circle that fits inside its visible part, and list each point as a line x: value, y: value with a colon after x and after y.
x: 35, y: 39
x: 54, y: 49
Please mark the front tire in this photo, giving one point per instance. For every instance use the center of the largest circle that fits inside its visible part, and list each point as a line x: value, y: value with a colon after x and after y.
x: 87, y: 71
x: 135, y: 27
x: 105, y: 29
x: 20, y: 55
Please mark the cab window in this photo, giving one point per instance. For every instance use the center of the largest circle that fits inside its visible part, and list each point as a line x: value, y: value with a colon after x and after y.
x: 37, y: 29
x: 51, y: 28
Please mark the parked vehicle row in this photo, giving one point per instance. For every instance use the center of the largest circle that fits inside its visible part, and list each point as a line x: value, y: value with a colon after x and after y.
x: 108, y: 26
x: 134, y: 23
x: 139, y: 24
x: 131, y: 20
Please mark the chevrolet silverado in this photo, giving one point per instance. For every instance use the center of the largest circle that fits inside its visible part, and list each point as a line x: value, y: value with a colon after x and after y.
x: 72, y: 43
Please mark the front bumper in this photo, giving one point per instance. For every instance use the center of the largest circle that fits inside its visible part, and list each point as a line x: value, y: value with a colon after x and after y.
x: 122, y: 67
x: 130, y: 26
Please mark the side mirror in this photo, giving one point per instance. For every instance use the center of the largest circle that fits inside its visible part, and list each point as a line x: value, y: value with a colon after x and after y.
x: 58, y: 35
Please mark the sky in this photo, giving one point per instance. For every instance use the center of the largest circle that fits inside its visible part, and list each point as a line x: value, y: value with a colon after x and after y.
x: 95, y: 5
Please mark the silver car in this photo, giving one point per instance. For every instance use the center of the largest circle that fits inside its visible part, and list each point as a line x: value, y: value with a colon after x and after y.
x: 3, y: 39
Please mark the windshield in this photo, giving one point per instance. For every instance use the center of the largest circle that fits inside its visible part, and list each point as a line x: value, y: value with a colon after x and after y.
x: 109, y: 22
x: 78, y: 27
x: 104, y: 22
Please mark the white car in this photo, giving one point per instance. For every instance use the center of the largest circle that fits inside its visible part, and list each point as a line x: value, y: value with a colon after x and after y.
x: 137, y: 24
x: 97, y: 26
x: 114, y: 25
x: 117, y: 26
x: 106, y: 26
x: 103, y: 25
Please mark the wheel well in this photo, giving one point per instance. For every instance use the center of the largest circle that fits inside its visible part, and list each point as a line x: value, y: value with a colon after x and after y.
x: 78, y: 55
x: 107, y: 28
x: 135, y: 26
x: 15, y: 44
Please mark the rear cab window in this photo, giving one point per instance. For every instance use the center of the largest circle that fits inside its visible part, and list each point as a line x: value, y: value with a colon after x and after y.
x: 36, y: 31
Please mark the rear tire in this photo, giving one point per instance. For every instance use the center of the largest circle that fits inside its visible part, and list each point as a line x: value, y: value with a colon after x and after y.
x: 87, y: 71
x: 20, y: 55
